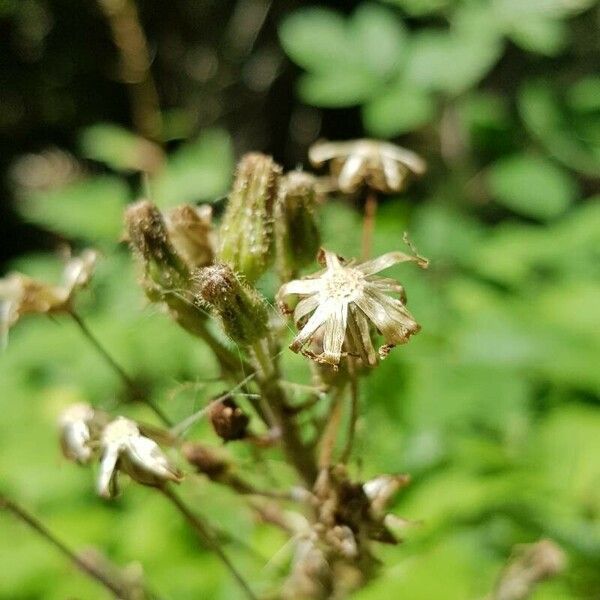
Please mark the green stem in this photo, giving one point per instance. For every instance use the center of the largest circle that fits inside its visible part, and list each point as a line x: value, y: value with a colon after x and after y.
x: 205, y: 535
x: 117, y: 368
x: 116, y: 588
x: 268, y: 380
x: 347, y: 451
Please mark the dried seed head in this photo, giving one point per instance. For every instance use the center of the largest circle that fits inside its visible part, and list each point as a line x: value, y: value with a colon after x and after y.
x: 205, y: 459
x: 246, y: 233
x: 21, y: 295
x: 229, y: 420
x: 344, y: 300
x: 164, y: 269
x: 238, y: 307
x: 191, y: 233
x: 296, y: 233
x: 382, y: 490
x: 124, y: 448
x: 379, y: 165
x: 79, y: 427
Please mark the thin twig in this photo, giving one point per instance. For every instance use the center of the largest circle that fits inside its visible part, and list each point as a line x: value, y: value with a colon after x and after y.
x: 368, y: 223
x: 205, y: 535
x: 117, y: 368
x: 116, y: 588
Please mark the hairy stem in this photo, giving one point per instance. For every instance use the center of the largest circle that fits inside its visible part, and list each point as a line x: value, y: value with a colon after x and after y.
x: 204, y: 533
x: 268, y: 381
x: 118, y: 369
x: 115, y: 587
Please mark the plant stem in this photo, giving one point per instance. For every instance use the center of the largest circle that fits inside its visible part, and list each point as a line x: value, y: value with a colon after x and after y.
x: 368, y: 223
x: 331, y: 430
x: 116, y: 588
x: 205, y: 535
x: 268, y: 380
x: 129, y: 37
x: 117, y: 368
x: 345, y: 456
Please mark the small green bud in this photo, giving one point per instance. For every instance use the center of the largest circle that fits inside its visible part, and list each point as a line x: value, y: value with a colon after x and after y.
x: 296, y: 233
x: 164, y: 269
x: 239, y: 308
x: 246, y: 232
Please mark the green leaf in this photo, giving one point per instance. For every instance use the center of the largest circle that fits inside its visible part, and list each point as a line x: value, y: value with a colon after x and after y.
x: 547, y: 122
x: 398, y: 111
x: 584, y: 96
x: 532, y: 186
x: 344, y: 87
x: 316, y: 39
x: 450, y: 63
x: 379, y: 37
x: 541, y: 35
x: 91, y: 209
x: 421, y: 8
x: 120, y: 149
x: 198, y: 170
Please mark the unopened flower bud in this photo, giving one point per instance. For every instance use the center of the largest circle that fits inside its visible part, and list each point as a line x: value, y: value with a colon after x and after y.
x: 246, y: 233
x: 296, y: 232
x: 164, y: 269
x: 191, y: 233
x: 238, y: 307
x: 124, y: 448
x: 229, y: 421
x: 206, y: 460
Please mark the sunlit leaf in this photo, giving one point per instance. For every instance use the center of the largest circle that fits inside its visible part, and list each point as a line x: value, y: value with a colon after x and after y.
x: 90, y: 210
x: 532, y: 186
x: 397, y: 111
x: 198, y: 170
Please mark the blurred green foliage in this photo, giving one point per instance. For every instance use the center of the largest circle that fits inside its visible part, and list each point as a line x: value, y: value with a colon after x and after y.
x: 493, y: 408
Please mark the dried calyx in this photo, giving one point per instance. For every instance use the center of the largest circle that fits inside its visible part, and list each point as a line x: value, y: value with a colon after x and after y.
x: 343, y: 301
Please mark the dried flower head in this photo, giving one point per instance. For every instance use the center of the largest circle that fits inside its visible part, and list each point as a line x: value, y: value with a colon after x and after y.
x: 246, y: 233
x: 381, y: 491
x: 78, y: 425
x: 124, y: 448
x: 206, y: 460
x: 21, y: 295
x: 191, y: 233
x: 380, y: 165
x: 343, y: 300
